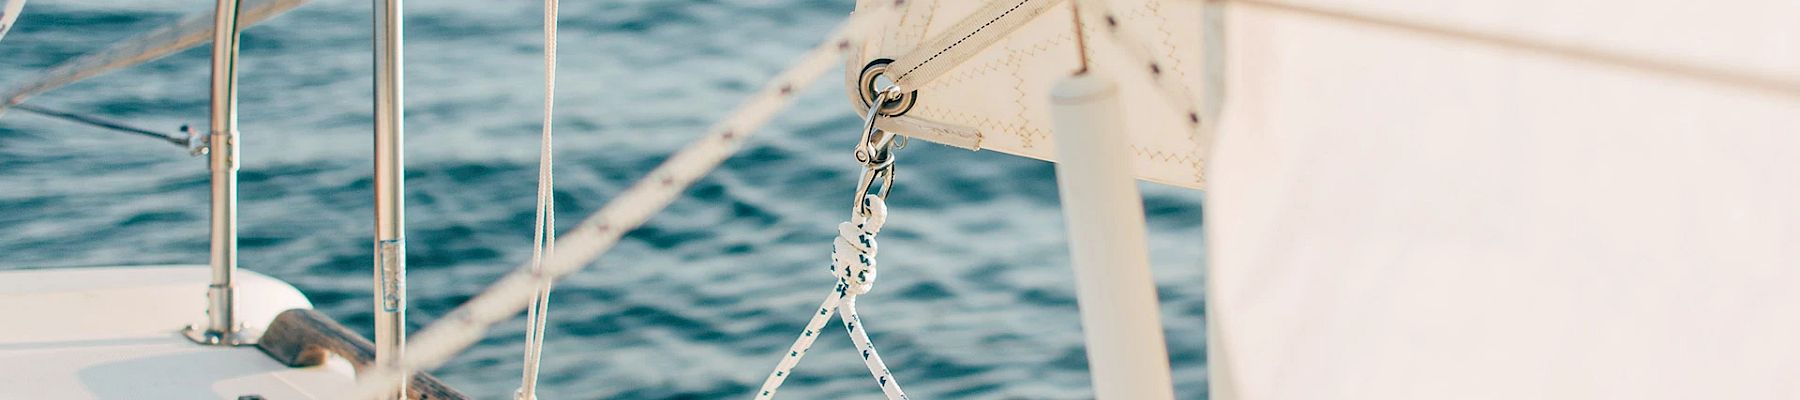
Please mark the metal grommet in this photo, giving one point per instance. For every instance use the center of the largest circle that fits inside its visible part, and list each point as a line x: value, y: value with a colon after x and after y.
x: 871, y: 83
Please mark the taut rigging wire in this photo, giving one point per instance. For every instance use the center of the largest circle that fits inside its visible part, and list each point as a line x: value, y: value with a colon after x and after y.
x: 116, y: 126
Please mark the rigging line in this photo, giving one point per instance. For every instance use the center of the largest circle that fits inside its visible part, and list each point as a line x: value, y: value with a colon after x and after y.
x: 1774, y: 84
x: 102, y: 123
x: 463, y: 326
x: 544, y: 234
x: 1081, y: 50
x: 190, y: 31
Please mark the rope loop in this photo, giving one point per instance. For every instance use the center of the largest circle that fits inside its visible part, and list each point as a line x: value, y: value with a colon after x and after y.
x: 853, y: 253
x: 853, y: 263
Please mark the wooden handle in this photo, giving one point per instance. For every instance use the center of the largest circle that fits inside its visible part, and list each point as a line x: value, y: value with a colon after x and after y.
x: 304, y: 338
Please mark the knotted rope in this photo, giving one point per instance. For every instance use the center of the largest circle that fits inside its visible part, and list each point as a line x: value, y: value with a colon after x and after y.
x: 853, y: 263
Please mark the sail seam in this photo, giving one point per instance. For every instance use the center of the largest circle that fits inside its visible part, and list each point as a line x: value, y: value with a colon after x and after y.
x: 966, y: 37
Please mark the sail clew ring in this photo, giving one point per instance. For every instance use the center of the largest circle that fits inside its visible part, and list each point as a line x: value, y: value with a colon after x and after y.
x: 874, y: 80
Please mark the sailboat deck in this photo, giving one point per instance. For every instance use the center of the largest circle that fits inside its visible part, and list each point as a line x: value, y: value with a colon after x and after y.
x: 114, y: 333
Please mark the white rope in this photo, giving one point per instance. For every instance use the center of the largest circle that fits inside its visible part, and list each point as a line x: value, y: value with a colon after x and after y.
x: 580, y: 245
x: 853, y: 263
x: 9, y: 12
x: 543, y: 237
x: 192, y: 30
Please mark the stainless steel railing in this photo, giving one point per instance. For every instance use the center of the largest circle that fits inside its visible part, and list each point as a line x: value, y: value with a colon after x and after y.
x: 390, y: 188
x: 222, y: 327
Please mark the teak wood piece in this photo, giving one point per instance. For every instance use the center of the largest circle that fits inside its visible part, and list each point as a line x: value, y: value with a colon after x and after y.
x: 303, y: 338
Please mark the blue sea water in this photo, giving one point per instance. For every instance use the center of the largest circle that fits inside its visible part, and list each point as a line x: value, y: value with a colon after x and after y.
x: 976, y: 298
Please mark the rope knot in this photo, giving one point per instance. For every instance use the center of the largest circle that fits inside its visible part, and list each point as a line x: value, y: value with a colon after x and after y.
x: 853, y: 253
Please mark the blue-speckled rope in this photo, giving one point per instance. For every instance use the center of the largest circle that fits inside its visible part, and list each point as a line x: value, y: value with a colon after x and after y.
x: 853, y: 262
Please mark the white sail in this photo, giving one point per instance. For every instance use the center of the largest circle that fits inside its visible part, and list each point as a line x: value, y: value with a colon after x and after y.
x: 1507, y: 199
x: 983, y: 71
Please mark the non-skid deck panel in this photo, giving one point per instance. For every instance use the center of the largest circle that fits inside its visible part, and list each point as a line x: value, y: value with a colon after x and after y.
x: 113, y: 333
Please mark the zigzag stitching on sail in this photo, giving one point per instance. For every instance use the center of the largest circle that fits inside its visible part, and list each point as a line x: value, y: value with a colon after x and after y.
x: 967, y: 73
x: 930, y: 16
x: 960, y: 41
x: 1025, y: 137
x: 1196, y: 165
x: 1153, y: 10
x: 922, y: 34
x: 1176, y: 91
x: 915, y: 26
x: 1147, y: 11
x: 1166, y: 156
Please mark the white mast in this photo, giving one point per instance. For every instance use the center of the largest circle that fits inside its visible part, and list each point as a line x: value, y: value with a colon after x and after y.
x: 1105, y: 218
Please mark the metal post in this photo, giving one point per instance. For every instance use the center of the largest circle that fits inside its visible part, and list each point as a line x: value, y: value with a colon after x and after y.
x: 221, y: 325
x: 1105, y: 218
x: 390, y: 204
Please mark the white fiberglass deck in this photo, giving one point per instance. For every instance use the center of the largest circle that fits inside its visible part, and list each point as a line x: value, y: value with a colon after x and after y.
x: 114, y: 333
